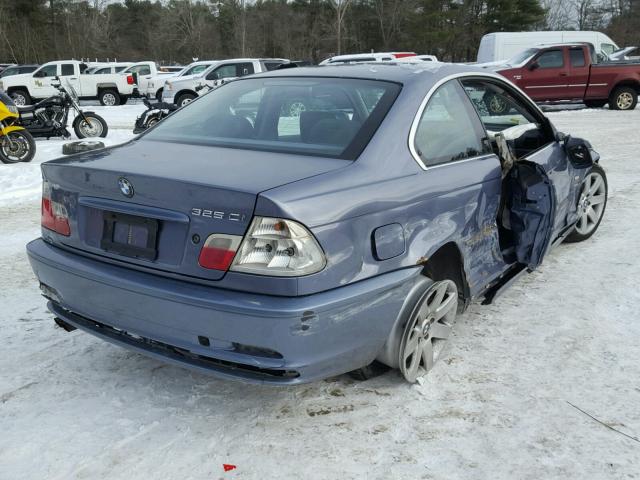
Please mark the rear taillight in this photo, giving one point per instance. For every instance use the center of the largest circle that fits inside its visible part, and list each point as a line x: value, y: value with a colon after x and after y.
x: 54, y: 216
x: 404, y: 54
x: 130, y: 80
x: 218, y: 251
x: 278, y: 247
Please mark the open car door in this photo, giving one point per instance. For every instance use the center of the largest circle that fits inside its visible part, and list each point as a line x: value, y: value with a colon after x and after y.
x: 540, y: 185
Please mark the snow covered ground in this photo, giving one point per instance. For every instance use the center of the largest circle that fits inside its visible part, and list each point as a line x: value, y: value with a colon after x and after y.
x: 499, y: 406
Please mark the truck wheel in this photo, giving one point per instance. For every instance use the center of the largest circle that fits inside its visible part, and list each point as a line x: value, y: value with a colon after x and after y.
x: 159, y: 95
x: 496, y: 105
x: 123, y: 99
x: 20, y: 97
x: 109, y: 98
x: 595, y: 103
x: 623, y: 98
x: 184, y: 99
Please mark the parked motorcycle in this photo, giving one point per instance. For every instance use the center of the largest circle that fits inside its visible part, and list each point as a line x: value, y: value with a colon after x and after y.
x: 49, y: 117
x: 154, y: 113
x: 16, y: 144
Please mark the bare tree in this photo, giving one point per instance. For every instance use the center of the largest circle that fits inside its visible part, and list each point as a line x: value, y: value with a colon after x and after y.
x: 340, y: 6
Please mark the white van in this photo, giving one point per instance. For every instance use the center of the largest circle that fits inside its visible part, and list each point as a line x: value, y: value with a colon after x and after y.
x: 500, y: 46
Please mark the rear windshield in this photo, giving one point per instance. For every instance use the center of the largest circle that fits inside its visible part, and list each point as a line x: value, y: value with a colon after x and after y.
x: 333, y: 117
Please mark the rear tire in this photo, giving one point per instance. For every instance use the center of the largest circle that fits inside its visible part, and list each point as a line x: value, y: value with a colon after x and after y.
x: 109, y: 98
x: 18, y: 146
x: 97, y: 127
x: 185, y: 99
x: 20, y: 97
x: 426, y: 333
x: 623, y: 98
x: 591, y: 204
x: 159, y: 95
x: 123, y: 99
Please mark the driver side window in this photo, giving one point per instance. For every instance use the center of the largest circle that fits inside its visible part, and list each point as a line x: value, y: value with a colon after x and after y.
x: 225, y: 71
x: 551, y: 59
x: 504, y: 114
x: 48, y: 71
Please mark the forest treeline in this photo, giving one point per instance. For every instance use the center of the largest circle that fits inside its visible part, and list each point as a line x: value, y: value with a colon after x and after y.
x: 177, y: 31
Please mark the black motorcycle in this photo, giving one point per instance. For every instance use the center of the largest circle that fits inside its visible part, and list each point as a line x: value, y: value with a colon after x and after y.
x: 49, y: 117
x: 153, y: 114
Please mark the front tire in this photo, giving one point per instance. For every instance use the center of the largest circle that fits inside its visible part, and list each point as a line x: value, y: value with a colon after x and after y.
x: 109, y: 98
x: 426, y: 332
x: 20, y: 97
x: 18, y: 146
x: 623, y: 98
x: 94, y: 126
x: 592, y: 203
x: 185, y: 99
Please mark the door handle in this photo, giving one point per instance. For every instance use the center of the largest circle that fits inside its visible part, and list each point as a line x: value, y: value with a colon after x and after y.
x: 564, y: 74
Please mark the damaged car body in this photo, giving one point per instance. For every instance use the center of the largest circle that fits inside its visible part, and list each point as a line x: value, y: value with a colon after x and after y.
x: 240, y: 240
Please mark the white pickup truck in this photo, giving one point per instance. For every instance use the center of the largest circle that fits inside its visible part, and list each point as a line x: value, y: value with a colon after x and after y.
x: 110, y: 89
x: 183, y: 91
x: 149, y: 77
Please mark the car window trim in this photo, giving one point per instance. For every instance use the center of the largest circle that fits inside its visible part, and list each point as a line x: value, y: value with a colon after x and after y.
x: 481, y: 75
x: 525, y: 100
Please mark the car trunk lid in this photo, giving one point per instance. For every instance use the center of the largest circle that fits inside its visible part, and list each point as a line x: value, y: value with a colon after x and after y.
x: 153, y: 204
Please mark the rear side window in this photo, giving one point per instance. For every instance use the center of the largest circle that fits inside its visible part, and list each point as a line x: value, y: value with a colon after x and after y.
x: 243, y: 69
x: 607, y: 48
x: 449, y: 129
x: 304, y: 115
x: 551, y: 59
x: 577, y: 57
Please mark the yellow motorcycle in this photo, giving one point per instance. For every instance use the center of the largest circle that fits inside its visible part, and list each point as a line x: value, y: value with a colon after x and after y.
x: 16, y: 144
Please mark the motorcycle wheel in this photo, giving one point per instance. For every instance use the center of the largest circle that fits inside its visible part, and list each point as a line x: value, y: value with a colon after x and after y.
x: 94, y: 126
x: 17, y: 147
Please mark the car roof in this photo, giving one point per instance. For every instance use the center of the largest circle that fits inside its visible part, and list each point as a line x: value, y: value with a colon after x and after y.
x: 398, y: 72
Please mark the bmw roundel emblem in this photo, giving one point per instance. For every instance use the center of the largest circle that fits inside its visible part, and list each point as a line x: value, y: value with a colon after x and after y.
x: 125, y: 187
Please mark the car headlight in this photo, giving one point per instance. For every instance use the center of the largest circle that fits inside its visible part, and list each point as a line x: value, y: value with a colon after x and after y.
x: 278, y: 247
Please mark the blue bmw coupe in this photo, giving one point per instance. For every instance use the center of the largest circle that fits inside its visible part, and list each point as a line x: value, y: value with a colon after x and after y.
x: 308, y: 222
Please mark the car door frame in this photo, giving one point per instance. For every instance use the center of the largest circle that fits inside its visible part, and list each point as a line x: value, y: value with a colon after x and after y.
x: 479, y: 239
x: 564, y: 177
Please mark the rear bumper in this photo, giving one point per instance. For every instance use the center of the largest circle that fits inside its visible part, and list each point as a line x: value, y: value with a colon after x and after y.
x: 255, y: 338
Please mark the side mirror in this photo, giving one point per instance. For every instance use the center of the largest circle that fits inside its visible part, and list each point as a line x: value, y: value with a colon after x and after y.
x: 39, y: 74
x: 533, y: 66
x: 580, y: 152
x: 213, y: 76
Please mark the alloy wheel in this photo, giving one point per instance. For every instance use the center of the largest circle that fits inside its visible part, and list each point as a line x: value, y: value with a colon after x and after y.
x: 592, y: 201
x: 109, y: 99
x: 19, y: 99
x: 296, y: 109
x: 624, y: 101
x: 428, y: 330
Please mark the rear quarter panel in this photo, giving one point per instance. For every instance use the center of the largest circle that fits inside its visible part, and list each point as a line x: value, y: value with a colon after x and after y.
x: 605, y: 77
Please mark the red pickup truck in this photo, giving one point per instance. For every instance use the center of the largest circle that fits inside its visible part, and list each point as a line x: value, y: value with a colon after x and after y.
x: 572, y: 73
